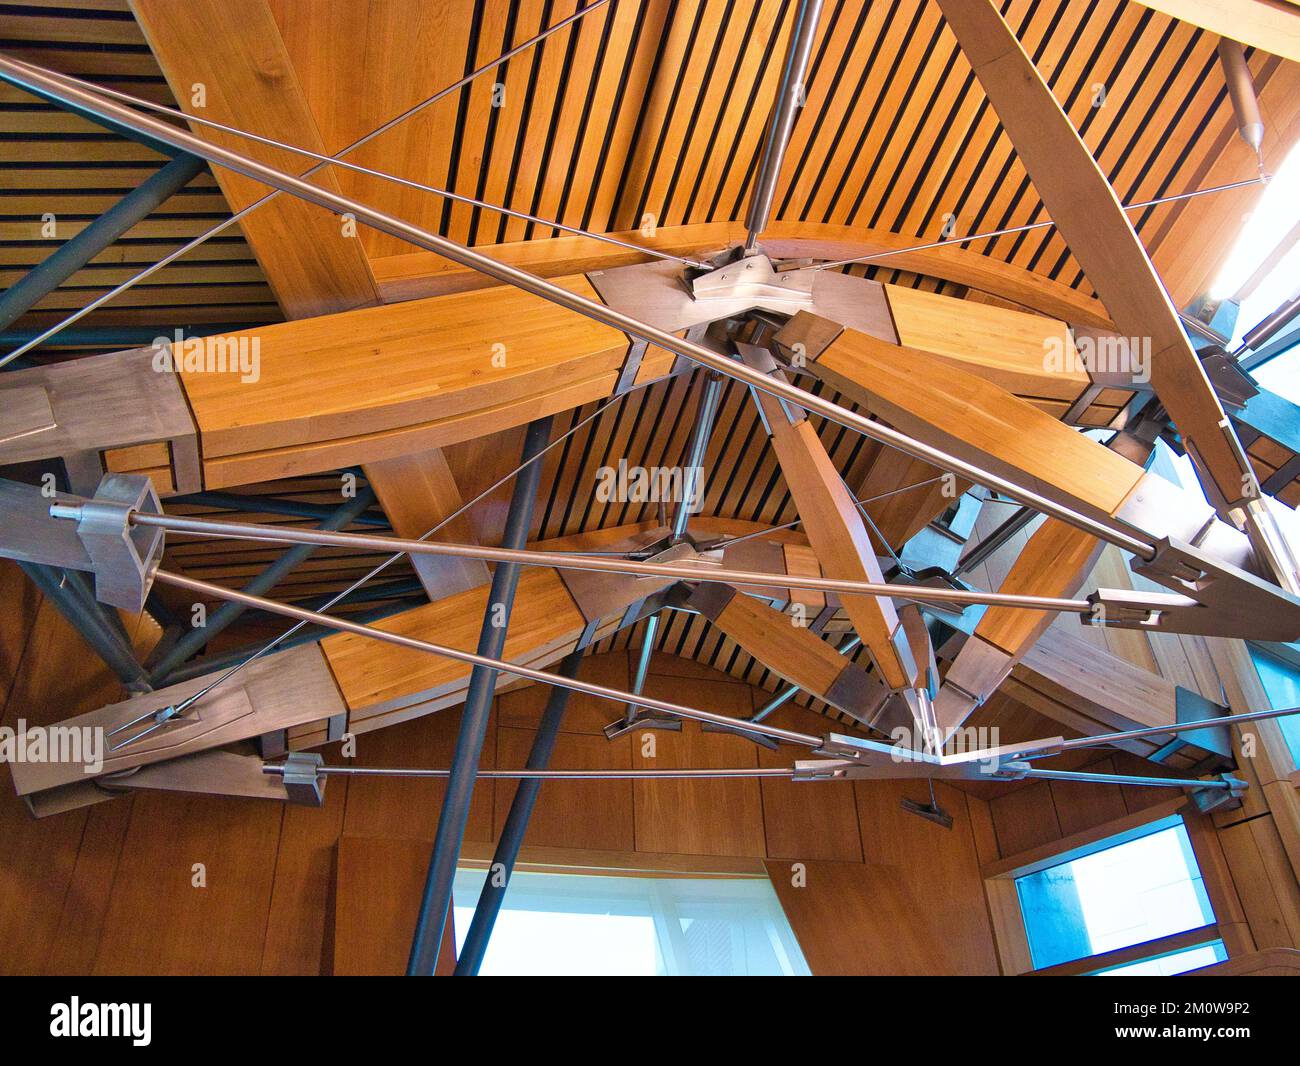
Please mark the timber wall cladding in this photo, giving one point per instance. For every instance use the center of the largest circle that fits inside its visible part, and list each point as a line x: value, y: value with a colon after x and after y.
x: 107, y: 889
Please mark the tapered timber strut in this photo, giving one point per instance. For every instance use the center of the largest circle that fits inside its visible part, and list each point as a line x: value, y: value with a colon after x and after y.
x: 1093, y: 224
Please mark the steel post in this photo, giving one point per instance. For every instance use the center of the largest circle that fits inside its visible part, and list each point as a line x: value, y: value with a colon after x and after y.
x: 789, y: 98
x: 691, y: 475
x: 68, y: 591
x: 77, y: 251
x: 436, y: 902
x: 512, y: 833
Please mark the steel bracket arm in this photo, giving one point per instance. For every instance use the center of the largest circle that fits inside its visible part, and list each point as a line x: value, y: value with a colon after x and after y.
x: 1216, y: 600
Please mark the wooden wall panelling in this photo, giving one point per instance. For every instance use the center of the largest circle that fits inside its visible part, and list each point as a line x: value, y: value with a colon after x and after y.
x: 1264, y: 881
x: 234, y: 49
x: 593, y: 815
x: 376, y: 899
x: 522, y: 707
x: 670, y: 815
x: 805, y: 823
x: 157, y: 921
x: 409, y: 807
x: 39, y: 860
x: 1220, y: 885
x: 855, y: 919
x: 303, y: 882
x: 939, y: 867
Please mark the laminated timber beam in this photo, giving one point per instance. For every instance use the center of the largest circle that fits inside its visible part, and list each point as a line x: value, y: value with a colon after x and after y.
x: 793, y: 651
x: 1269, y: 25
x: 929, y: 396
x: 383, y: 382
x: 233, y: 51
x: 414, y: 275
x: 837, y: 534
x: 317, y: 394
x: 1057, y: 557
x: 1093, y: 224
x: 418, y: 492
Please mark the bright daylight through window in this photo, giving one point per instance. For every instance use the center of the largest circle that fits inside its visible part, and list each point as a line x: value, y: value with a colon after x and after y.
x: 1127, y: 891
x: 573, y: 924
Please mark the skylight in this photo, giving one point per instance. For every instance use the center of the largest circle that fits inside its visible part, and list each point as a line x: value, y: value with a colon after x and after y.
x: 1275, y: 216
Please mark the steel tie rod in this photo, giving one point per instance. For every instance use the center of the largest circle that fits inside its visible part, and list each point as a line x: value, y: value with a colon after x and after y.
x: 58, y: 87
x: 205, y: 588
x: 208, y: 527
x: 549, y: 775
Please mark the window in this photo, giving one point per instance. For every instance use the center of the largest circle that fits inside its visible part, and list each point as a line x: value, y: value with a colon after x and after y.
x: 1168, y: 965
x: 574, y: 924
x: 1280, y: 676
x: 1125, y: 890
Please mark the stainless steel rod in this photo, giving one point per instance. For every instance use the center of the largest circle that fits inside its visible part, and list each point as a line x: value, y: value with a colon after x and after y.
x: 209, y: 527
x: 1124, y: 779
x: 695, y: 458
x: 54, y: 85
x: 205, y: 588
x: 548, y: 775
x: 1028, y: 227
x: 643, y: 662
x: 1177, y: 727
x: 789, y: 98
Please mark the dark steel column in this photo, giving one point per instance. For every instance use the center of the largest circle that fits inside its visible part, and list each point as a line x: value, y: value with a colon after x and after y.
x: 436, y: 904
x: 69, y: 592
x: 77, y: 251
x: 512, y: 834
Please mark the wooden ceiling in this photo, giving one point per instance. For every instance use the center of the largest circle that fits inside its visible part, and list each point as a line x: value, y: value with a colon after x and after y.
x: 643, y: 108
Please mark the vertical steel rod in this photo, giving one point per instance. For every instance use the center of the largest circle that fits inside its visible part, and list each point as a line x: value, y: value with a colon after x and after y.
x: 695, y: 456
x: 643, y: 663
x: 512, y: 833
x: 436, y: 903
x: 789, y: 98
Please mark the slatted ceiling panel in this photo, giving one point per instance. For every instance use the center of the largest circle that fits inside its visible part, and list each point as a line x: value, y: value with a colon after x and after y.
x: 232, y: 562
x: 54, y: 161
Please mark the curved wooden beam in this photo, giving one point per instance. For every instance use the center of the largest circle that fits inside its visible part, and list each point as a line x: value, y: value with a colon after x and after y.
x: 421, y: 274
